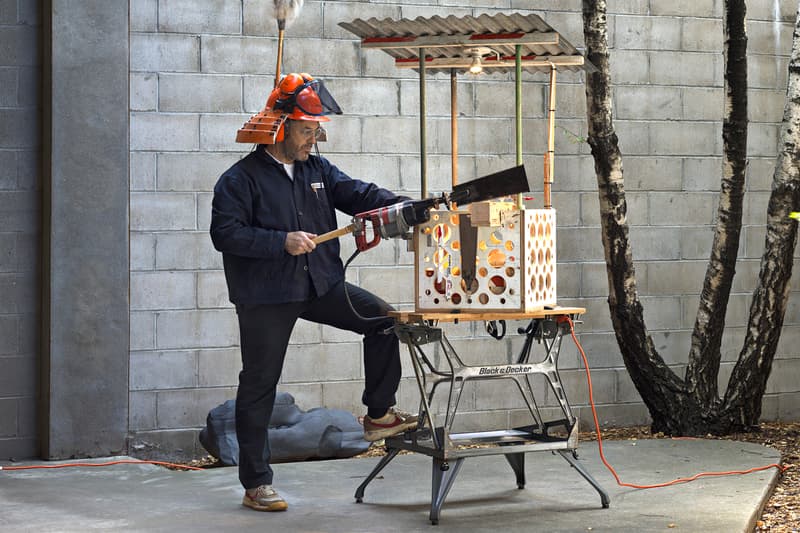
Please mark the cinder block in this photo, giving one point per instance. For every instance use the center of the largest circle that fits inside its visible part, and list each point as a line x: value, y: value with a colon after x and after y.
x: 762, y: 139
x: 357, y: 96
x: 390, y: 135
x: 700, y: 103
x: 687, y: 8
x: 702, y: 34
x: 144, y: 91
x: 481, y: 420
x: 8, y: 170
x: 769, y: 38
x: 617, y: 415
x: 784, y: 376
x: 647, y: 32
x: 675, y: 277
x: 167, y: 132
x: 9, y: 335
x: 662, y: 313
x: 143, y: 251
x: 630, y: 67
x: 438, y: 98
x: 8, y: 417
x: 568, y: 24
x: 767, y: 72
x: 320, y: 363
x: 345, y: 136
x: 186, y: 251
x: 162, y: 211
x: 602, y: 350
x: 143, y: 331
x: 188, y: 408
x: 681, y: 138
x: 163, y: 370
x: 256, y: 90
x: 686, y: 68
x: 162, y: 290
x: 204, y: 210
x: 8, y: 252
x: 570, y: 101
x: 19, y: 376
x: 640, y: 103
x: 238, y: 55
x: 696, y: 242
x: 305, y: 332
x: 766, y: 11
x: 336, y: 12
x: 478, y: 136
x: 391, y: 284
x: 579, y: 244
x: 413, y: 11
x: 16, y: 130
x: 259, y: 19
x: 746, y: 279
x: 755, y: 208
x: 218, y: 132
x: 142, y: 410
x: 682, y: 209
x: 633, y: 137
x: 196, y: 329
x: 19, y: 45
x: 143, y: 171
x: 496, y: 394
x: 656, y: 242
x: 702, y: 174
x: 306, y: 396
x: 199, y: 16
x: 196, y: 171
x: 765, y: 105
x: 321, y: 58
x: 144, y: 15
x: 212, y: 292
x: 339, y: 394
x: 29, y: 87
x: 19, y: 211
x: 383, y: 169
x: 200, y: 93
x: 331, y: 334
x: 653, y: 173
x: 8, y: 86
x: 218, y: 368
x: 164, y: 52
x: 604, y: 382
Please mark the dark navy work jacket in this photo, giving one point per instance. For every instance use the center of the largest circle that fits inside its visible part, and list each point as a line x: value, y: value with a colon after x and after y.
x: 256, y: 204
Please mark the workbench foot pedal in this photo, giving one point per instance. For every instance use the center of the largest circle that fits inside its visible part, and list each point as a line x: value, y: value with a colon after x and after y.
x: 391, y: 453
x: 517, y: 462
x: 604, y: 499
x: 443, y: 475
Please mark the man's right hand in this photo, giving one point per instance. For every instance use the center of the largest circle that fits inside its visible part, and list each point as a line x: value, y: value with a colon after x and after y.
x: 299, y: 242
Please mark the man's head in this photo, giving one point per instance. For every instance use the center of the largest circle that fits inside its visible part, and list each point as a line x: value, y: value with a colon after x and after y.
x: 299, y: 138
x: 299, y: 98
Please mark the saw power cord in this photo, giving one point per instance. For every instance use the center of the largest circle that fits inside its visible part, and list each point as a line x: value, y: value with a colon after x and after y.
x: 780, y: 468
x: 109, y: 463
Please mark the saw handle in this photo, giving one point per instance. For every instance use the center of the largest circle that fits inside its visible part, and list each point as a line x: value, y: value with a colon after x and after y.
x: 333, y: 234
x: 362, y: 244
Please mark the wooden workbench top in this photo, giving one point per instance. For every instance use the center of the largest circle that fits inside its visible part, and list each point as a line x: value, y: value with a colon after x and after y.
x: 413, y: 317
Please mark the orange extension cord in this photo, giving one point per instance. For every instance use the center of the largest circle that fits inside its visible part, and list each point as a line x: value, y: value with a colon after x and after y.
x: 600, y: 440
x: 120, y: 462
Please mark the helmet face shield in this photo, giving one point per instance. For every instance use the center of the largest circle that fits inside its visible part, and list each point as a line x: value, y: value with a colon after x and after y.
x: 311, y: 98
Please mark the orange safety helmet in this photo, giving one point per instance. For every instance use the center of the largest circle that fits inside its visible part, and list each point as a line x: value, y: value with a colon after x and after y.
x: 297, y: 97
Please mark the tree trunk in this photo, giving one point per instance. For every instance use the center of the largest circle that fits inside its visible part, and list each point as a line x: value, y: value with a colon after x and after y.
x: 659, y: 387
x: 742, y: 404
x: 704, y: 357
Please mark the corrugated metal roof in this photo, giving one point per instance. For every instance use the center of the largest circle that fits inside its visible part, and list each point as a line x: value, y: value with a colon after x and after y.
x: 447, y: 42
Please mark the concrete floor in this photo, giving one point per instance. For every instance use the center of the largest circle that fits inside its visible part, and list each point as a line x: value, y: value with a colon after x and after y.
x: 484, y: 497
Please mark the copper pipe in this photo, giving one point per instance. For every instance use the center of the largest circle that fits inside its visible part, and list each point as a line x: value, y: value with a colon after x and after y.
x: 280, y: 52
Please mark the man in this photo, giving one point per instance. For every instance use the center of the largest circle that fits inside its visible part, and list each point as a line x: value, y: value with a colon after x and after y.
x: 266, y: 211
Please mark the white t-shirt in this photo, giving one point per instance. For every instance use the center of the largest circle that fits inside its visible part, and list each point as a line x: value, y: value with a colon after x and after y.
x: 288, y: 166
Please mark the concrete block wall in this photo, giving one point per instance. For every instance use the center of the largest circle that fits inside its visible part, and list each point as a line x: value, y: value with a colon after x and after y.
x: 200, y: 68
x: 20, y: 186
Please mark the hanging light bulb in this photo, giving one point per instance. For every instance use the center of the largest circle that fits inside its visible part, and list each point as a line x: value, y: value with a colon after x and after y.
x: 477, y: 54
x: 476, y: 67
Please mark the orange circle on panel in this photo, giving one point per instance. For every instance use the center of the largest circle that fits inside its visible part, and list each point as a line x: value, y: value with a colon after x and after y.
x: 496, y: 258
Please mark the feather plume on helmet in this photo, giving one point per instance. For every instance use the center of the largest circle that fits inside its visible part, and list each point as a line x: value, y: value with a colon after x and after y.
x: 286, y: 11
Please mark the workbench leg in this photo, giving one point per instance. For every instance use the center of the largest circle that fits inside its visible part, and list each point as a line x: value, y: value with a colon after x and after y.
x: 604, y: 499
x: 443, y: 476
x: 390, y: 454
x: 517, y: 462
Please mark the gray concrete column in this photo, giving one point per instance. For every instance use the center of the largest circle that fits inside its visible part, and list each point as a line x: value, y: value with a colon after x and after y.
x: 85, y: 274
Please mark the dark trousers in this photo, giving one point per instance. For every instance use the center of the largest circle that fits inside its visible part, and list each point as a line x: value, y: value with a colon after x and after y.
x: 264, y: 335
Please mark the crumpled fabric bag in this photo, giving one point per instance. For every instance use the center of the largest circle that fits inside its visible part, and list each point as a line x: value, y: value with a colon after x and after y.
x: 294, y: 434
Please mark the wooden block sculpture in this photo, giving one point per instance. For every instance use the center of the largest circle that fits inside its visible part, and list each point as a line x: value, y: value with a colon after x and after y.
x: 505, y: 263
